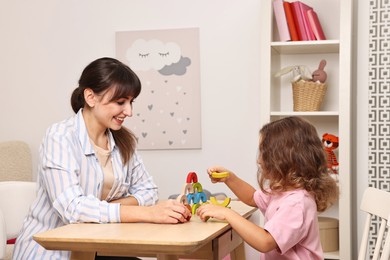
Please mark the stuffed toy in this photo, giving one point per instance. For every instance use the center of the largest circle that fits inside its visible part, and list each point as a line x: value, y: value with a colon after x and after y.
x: 331, y: 142
x: 320, y: 74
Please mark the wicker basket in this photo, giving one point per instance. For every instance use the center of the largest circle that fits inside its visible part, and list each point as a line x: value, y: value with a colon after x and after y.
x: 308, y: 95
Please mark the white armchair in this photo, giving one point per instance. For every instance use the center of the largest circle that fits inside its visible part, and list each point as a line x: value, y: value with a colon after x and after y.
x: 16, y: 198
x: 15, y: 161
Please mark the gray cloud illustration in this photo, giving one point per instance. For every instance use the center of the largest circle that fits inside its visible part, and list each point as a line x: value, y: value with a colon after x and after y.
x: 179, y: 68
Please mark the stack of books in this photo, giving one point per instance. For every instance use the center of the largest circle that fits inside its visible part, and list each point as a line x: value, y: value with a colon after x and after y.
x: 297, y: 21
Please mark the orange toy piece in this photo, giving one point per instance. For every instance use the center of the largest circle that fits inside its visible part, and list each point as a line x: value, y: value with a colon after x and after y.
x: 331, y: 142
x: 183, y: 199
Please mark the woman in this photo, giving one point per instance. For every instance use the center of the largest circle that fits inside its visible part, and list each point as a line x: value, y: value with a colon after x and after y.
x: 89, y: 169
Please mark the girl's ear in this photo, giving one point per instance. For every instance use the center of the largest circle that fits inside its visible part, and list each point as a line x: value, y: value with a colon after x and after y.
x: 89, y: 97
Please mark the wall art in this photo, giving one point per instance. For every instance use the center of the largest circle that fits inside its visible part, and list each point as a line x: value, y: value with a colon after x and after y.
x: 166, y: 115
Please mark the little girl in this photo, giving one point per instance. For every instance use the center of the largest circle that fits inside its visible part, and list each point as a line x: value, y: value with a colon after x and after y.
x: 294, y: 186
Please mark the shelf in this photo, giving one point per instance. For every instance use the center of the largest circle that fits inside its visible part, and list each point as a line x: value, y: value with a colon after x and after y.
x: 314, y: 113
x: 332, y: 255
x: 306, y: 47
x: 335, y: 115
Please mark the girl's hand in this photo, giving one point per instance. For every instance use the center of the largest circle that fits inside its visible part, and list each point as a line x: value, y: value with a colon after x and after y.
x: 218, y: 174
x: 170, y: 211
x: 206, y: 211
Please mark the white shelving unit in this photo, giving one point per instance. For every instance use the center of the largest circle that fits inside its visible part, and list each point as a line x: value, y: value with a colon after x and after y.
x: 335, y: 115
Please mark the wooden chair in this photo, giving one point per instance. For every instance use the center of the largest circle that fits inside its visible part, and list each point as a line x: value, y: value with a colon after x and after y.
x: 15, y: 200
x: 376, y: 203
x: 15, y: 161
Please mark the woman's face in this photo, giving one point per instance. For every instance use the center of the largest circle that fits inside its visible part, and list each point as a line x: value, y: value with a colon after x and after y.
x: 112, y: 113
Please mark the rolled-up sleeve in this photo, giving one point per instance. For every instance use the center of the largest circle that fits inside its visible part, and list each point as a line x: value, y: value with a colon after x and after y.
x: 142, y: 187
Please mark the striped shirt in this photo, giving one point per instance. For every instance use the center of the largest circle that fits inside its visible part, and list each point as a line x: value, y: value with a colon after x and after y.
x: 70, y: 181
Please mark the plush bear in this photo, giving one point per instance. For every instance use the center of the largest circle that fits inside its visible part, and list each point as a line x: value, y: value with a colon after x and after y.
x: 331, y: 142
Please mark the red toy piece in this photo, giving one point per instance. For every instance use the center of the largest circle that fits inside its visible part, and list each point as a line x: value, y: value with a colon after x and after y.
x: 192, y: 177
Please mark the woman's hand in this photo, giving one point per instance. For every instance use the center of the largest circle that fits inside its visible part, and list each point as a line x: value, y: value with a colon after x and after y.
x: 206, y: 211
x: 170, y: 211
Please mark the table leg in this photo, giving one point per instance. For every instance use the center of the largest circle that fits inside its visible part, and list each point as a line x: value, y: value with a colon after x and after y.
x: 82, y: 255
x: 166, y: 257
x: 238, y: 253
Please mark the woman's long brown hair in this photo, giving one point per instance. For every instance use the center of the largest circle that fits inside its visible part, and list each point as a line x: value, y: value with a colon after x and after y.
x: 101, y: 75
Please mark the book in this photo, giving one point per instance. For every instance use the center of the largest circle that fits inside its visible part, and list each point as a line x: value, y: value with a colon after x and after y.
x: 301, y: 9
x: 315, y: 25
x: 298, y: 19
x: 281, y: 22
x: 290, y: 21
x: 304, y: 9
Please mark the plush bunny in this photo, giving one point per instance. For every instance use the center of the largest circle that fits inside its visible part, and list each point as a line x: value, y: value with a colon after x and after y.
x: 299, y: 72
x: 319, y: 74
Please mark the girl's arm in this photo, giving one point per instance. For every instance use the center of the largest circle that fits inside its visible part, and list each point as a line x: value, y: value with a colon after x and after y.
x: 243, y: 190
x: 252, y: 234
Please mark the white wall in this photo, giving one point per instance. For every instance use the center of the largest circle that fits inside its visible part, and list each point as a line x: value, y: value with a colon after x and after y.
x: 45, y: 44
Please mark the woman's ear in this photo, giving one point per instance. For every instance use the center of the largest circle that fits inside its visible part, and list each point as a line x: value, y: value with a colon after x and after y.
x: 89, y: 97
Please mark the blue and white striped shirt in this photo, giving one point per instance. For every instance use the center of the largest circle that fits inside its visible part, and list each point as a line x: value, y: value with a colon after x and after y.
x: 70, y: 181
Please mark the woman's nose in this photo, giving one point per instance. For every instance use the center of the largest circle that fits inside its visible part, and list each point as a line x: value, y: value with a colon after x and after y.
x: 128, y: 110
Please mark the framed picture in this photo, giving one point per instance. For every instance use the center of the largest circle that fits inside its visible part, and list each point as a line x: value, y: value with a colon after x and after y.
x: 166, y: 115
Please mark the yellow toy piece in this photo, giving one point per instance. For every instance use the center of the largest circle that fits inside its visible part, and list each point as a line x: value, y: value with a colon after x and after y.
x: 225, y: 203
x: 219, y: 175
x: 194, y: 208
x: 197, y: 187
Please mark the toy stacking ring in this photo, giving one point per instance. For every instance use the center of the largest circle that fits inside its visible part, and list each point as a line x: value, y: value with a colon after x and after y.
x: 219, y: 175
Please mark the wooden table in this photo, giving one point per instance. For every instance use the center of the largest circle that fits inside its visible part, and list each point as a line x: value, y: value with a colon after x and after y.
x: 195, y: 239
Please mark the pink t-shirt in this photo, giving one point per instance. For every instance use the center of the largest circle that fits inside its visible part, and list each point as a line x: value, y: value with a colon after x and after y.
x: 291, y: 219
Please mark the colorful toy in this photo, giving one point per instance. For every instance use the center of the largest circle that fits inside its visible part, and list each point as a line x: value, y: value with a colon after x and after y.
x: 219, y: 175
x: 192, y: 195
x: 331, y: 142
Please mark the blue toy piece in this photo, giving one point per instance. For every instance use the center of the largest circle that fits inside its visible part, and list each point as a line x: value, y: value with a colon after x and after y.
x: 191, y: 198
x: 200, y: 196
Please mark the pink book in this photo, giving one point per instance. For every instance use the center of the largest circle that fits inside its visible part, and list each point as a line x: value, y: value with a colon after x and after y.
x: 315, y: 25
x: 281, y: 21
x: 303, y: 8
x: 299, y: 21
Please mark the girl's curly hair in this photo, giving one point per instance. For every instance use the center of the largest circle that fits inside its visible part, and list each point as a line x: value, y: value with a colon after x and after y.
x: 291, y: 156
